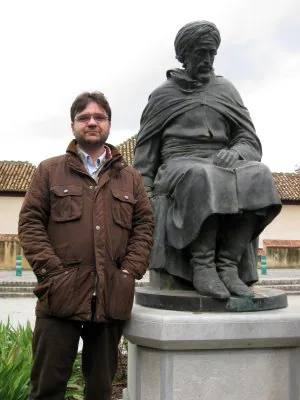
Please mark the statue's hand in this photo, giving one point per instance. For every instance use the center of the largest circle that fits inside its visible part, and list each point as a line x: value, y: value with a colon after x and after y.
x: 225, y: 158
x: 149, y: 191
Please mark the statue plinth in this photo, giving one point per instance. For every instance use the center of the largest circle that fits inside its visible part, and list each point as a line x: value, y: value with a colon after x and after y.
x: 171, y: 293
x: 211, y: 356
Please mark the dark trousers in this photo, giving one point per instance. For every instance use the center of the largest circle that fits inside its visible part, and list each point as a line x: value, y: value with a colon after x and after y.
x: 55, y: 345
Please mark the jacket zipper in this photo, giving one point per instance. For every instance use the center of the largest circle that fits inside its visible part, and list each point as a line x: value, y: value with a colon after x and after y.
x: 94, y: 300
x: 95, y: 285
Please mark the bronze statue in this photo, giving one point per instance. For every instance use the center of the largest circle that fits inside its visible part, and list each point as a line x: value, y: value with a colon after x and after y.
x: 199, y: 155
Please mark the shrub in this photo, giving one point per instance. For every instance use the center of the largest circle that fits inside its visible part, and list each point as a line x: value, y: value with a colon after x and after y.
x: 15, y: 361
x: 15, y: 365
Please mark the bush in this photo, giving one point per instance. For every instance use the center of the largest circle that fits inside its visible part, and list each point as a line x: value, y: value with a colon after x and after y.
x: 15, y: 365
x: 15, y: 361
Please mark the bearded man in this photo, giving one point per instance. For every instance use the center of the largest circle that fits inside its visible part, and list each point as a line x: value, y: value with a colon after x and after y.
x: 199, y: 155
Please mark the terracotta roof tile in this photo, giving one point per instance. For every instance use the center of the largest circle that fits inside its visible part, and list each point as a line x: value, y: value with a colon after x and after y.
x: 281, y: 243
x: 8, y: 236
x: 15, y: 176
x: 126, y: 149
x: 288, y: 185
x: 261, y: 252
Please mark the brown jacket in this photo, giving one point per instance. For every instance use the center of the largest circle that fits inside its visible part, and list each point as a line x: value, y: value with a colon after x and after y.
x: 78, y: 235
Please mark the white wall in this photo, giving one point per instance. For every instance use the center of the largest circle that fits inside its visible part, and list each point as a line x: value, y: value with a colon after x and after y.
x: 9, y: 213
x: 286, y: 226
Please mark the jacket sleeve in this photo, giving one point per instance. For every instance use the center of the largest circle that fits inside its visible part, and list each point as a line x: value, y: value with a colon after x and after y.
x: 33, y: 222
x: 141, y: 237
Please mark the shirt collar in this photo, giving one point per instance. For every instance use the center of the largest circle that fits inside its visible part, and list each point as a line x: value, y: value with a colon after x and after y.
x: 104, y: 156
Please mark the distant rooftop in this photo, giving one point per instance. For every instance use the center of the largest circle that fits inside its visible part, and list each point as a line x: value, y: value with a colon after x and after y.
x: 126, y: 149
x: 261, y: 252
x: 281, y: 243
x: 288, y: 185
x: 8, y: 236
x: 15, y: 176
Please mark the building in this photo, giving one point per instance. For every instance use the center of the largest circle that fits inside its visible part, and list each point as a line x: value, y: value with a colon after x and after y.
x: 286, y: 226
x: 15, y: 177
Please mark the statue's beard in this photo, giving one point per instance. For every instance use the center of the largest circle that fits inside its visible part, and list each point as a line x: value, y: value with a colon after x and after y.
x: 200, y: 76
x: 204, y: 77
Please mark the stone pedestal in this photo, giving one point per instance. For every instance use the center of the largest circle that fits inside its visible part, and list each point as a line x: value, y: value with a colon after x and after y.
x: 172, y: 293
x: 177, y: 355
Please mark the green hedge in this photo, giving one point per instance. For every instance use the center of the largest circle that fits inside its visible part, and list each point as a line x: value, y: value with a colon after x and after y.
x: 15, y: 365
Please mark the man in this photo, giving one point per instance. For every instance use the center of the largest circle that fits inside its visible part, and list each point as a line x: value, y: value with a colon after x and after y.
x: 86, y: 229
x: 199, y: 155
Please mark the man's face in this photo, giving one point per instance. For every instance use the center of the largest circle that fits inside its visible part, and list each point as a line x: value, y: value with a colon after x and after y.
x: 200, y: 59
x: 91, y: 127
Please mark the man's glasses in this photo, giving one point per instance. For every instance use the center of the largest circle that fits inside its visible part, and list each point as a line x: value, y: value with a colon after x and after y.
x: 85, y: 118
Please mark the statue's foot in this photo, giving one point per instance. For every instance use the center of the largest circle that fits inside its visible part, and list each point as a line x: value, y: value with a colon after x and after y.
x: 207, y: 283
x: 235, y: 286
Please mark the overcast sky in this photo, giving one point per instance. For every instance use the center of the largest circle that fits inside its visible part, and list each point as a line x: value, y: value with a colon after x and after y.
x: 53, y: 50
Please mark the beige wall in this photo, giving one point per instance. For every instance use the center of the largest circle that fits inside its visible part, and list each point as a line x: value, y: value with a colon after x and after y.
x: 9, y: 213
x: 282, y: 257
x: 286, y: 226
x: 9, y: 249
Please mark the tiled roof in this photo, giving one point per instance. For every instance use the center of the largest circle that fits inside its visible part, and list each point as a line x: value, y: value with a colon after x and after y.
x: 261, y: 252
x: 8, y: 236
x: 126, y: 149
x: 288, y: 185
x: 281, y: 243
x: 15, y: 176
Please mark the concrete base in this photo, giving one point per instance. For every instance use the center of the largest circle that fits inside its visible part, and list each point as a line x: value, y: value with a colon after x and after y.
x: 211, y: 356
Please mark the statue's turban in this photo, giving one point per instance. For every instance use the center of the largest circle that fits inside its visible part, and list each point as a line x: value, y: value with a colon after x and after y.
x: 194, y: 31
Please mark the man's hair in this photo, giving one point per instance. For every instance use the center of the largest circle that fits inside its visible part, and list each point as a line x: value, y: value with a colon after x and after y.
x: 86, y: 98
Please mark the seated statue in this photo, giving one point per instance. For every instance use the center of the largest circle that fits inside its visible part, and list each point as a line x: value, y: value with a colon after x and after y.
x: 199, y: 155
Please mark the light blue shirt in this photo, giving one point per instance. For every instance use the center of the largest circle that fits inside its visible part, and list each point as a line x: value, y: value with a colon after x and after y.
x: 87, y: 159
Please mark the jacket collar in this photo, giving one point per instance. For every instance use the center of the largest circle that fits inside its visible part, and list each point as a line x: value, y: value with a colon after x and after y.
x: 117, y: 161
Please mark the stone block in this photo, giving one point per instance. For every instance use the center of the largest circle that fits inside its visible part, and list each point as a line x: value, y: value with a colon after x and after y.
x: 211, y: 356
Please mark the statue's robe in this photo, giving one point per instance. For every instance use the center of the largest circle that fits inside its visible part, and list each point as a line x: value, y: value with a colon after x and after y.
x: 182, y: 128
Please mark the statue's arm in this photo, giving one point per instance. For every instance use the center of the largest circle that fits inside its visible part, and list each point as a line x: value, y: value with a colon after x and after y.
x: 147, y: 159
x: 246, y: 144
x: 243, y: 138
x: 147, y: 152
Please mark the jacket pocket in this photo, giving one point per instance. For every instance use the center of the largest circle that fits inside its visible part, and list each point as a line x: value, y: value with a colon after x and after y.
x: 122, y: 208
x: 62, y: 294
x: 120, y: 295
x: 66, y: 202
x: 41, y: 291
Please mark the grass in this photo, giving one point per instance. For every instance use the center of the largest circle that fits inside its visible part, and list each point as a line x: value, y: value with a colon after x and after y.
x: 15, y: 366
